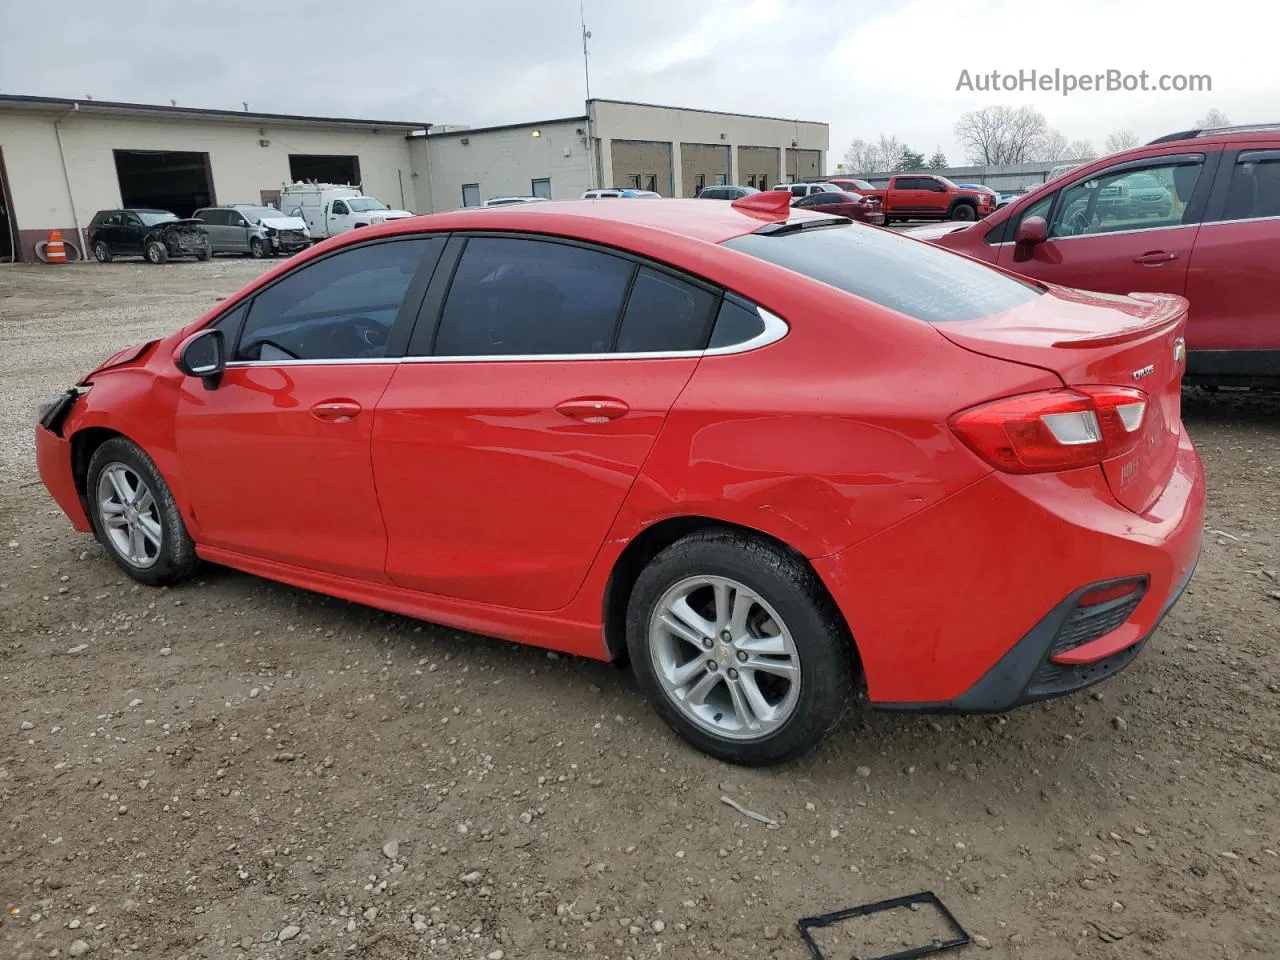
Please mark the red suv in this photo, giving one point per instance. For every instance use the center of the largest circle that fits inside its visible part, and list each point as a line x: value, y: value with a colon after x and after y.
x: 1195, y: 213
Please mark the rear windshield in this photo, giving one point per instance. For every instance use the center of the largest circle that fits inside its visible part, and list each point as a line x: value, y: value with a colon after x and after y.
x: 915, y: 278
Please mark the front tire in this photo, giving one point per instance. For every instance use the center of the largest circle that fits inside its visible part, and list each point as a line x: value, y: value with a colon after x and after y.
x: 134, y: 515
x: 204, y: 254
x: 101, y: 252
x: 738, y: 647
x: 257, y: 248
x: 156, y: 252
x: 964, y: 211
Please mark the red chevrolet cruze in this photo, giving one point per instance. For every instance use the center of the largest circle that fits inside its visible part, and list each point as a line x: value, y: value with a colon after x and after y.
x: 758, y: 451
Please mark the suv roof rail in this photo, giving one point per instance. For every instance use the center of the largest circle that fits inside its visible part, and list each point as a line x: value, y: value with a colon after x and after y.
x: 1216, y: 131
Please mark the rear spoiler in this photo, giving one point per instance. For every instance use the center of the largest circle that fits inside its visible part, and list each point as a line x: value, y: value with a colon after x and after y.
x: 1167, y: 310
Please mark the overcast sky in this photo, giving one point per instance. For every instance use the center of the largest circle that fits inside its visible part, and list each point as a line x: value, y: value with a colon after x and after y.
x: 865, y: 68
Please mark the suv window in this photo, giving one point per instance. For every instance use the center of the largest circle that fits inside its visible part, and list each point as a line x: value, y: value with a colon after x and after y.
x: 1126, y: 198
x: 215, y: 218
x: 664, y: 313
x: 920, y: 280
x: 1254, y: 191
x: 513, y: 297
x: 339, y: 308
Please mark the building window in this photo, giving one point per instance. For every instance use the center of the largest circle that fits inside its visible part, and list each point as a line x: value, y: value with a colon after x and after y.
x: 542, y: 188
x: 699, y: 181
x: 721, y: 179
x: 651, y: 183
x: 471, y: 194
x: 635, y: 181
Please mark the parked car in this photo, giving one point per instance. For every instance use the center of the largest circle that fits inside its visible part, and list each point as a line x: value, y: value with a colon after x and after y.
x: 995, y: 196
x: 807, y: 189
x: 595, y: 438
x: 1190, y: 215
x: 607, y: 193
x: 253, y: 229
x: 929, y: 196
x: 155, y: 235
x: 507, y: 201
x: 853, y: 185
x: 725, y: 192
x: 330, y: 209
x: 1059, y: 170
x: 844, y: 204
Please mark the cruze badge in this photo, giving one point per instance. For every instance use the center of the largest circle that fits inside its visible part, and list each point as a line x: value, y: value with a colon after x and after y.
x: 1179, y: 350
x: 1146, y: 371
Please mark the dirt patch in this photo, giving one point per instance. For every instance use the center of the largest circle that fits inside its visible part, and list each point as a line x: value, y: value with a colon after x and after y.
x: 240, y: 769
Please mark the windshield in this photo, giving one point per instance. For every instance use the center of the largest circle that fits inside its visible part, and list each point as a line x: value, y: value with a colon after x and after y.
x: 910, y: 276
x: 363, y: 204
x: 150, y: 218
x: 256, y: 214
x: 863, y: 185
x: 945, y: 182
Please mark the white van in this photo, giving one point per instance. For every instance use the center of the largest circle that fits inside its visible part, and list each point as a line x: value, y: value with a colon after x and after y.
x: 330, y: 208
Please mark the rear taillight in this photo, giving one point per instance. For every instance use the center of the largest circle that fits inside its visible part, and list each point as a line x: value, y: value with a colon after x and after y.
x: 1054, y: 430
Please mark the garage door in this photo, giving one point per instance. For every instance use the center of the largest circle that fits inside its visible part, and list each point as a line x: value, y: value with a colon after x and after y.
x: 170, y: 180
x: 703, y: 165
x: 642, y: 164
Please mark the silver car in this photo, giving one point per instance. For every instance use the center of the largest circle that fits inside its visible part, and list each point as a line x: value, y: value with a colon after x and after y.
x: 253, y: 229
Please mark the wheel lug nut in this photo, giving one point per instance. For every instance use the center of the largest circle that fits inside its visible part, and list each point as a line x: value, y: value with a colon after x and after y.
x: 708, y: 642
x: 733, y: 674
x: 711, y: 666
x: 726, y: 636
x: 742, y: 656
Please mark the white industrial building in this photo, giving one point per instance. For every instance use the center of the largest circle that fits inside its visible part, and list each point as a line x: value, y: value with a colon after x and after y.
x: 63, y: 160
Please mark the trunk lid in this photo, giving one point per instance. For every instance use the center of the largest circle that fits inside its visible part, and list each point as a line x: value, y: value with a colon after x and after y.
x: 1102, y: 339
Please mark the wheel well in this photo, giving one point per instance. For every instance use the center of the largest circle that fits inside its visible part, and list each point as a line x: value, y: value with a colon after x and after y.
x: 83, y: 444
x: 647, y: 545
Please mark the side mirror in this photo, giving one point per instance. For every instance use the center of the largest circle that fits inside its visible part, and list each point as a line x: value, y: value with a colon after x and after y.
x: 1031, y: 232
x: 203, y: 355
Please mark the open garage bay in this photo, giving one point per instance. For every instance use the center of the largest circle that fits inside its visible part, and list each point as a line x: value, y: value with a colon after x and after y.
x: 204, y: 771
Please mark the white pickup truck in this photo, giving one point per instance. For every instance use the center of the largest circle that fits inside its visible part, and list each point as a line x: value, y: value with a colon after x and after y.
x: 330, y: 208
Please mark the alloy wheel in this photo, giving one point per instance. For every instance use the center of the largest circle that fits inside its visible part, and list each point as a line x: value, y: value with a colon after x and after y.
x: 724, y: 657
x: 130, y: 515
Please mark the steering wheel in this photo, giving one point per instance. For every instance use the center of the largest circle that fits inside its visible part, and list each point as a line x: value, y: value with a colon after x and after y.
x: 1078, y: 222
x: 357, y: 338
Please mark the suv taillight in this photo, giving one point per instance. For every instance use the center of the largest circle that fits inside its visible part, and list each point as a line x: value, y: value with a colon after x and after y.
x: 1055, y: 429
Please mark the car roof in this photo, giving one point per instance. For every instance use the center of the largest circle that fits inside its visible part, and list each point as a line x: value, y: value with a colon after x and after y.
x: 682, y: 217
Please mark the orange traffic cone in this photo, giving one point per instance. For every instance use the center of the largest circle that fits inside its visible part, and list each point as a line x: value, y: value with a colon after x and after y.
x: 55, y: 250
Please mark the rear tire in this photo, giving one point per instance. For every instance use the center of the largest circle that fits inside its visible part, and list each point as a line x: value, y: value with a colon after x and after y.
x: 102, y: 252
x: 156, y: 252
x: 134, y: 515
x: 752, y: 685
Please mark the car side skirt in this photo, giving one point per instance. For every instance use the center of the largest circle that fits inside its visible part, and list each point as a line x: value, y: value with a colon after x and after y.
x: 545, y: 630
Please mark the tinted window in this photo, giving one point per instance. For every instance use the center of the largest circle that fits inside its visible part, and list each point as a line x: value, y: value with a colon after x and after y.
x: 737, y: 322
x: 821, y: 200
x: 664, y: 313
x: 215, y: 218
x: 1255, y: 186
x: 338, y: 308
x: 914, y: 278
x: 339, y: 207
x: 529, y: 297
x: 1125, y: 199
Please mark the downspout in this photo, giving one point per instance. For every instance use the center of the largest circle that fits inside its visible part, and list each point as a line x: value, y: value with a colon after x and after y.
x: 66, y: 177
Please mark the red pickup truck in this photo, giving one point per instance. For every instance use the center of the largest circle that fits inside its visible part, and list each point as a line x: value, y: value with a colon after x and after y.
x: 927, y: 196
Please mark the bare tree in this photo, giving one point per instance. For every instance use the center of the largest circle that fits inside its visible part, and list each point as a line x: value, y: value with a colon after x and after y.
x: 1002, y: 134
x: 1080, y: 150
x: 863, y: 157
x: 1120, y: 140
x: 1054, y: 146
x: 1214, y: 118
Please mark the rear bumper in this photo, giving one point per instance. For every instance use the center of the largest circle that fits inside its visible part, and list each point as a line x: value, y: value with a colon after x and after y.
x: 959, y: 606
x: 53, y: 460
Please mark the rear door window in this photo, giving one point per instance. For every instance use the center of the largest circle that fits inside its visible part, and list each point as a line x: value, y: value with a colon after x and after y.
x: 914, y: 278
x: 516, y: 297
x: 665, y: 314
x: 1254, y: 191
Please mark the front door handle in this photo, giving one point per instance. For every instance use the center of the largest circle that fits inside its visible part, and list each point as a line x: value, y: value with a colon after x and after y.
x: 1155, y: 257
x: 336, y: 411
x: 592, y: 409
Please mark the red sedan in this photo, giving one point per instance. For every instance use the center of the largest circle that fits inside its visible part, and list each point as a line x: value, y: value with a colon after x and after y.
x: 765, y: 454
x: 844, y: 204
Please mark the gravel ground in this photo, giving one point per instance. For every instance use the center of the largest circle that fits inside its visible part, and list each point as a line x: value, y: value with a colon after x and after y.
x: 235, y: 768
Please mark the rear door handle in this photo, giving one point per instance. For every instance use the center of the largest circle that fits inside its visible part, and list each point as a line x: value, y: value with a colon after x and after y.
x: 1155, y: 257
x: 592, y: 409
x: 336, y: 411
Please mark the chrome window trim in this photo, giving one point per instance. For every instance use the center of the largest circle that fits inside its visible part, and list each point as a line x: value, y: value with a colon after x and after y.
x: 1215, y: 223
x: 775, y: 328
x: 1113, y: 233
